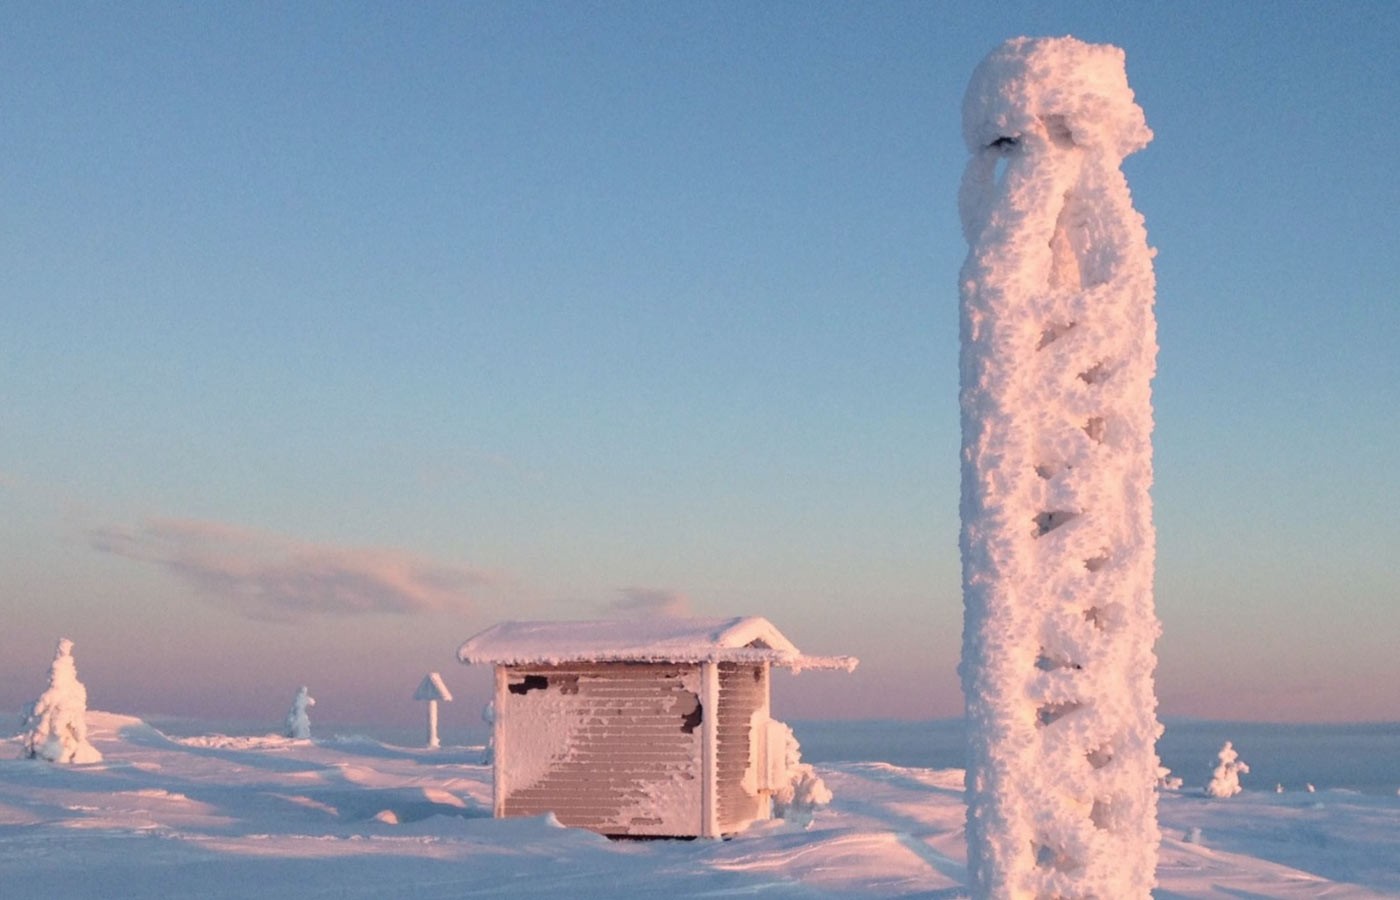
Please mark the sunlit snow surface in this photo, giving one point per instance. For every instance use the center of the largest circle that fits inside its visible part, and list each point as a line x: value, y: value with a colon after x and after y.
x: 224, y: 817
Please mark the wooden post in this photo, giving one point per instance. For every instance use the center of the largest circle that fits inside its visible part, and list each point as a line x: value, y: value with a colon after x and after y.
x: 498, y: 741
x: 763, y: 736
x: 709, y: 749
x: 433, y: 742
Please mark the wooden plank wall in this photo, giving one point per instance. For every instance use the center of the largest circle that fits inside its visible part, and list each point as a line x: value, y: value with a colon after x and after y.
x: 630, y: 763
x: 743, y: 691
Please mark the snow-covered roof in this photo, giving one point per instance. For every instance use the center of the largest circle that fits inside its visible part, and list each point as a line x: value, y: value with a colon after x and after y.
x: 740, y: 639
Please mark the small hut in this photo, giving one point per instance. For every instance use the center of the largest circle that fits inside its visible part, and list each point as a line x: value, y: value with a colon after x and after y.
x: 657, y: 727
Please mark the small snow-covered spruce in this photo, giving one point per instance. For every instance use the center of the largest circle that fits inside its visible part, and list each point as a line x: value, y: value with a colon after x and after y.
x: 1166, y: 781
x: 1058, y: 350
x: 799, y: 791
x: 55, y: 725
x: 1225, y: 782
x: 298, y: 722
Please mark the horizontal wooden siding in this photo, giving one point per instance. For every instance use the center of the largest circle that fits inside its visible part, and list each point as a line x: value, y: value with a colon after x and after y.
x: 743, y: 691
x: 623, y: 744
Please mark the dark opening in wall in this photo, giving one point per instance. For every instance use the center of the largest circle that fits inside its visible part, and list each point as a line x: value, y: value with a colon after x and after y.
x: 530, y: 683
x: 692, y: 719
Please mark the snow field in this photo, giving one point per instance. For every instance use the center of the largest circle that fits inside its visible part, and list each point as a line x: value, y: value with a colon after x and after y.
x: 224, y: 817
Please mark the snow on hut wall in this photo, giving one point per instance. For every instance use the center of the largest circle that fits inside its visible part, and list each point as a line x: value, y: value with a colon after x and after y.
x: 740, y: 757
x: 612, y: 748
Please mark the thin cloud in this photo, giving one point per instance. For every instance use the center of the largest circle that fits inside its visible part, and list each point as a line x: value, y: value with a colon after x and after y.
x: 267, y: 576
x: 647, y: 602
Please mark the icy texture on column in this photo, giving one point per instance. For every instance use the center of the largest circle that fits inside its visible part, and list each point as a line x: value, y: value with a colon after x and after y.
x: 1058, y: 351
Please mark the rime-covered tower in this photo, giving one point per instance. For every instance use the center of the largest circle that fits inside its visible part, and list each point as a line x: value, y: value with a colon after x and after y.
x: 1058, y: 352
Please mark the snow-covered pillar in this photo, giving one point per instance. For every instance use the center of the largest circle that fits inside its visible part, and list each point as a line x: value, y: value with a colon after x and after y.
x: 1058, y: 351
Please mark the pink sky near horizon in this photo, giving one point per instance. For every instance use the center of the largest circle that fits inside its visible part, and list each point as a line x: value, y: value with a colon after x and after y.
x: 209, y: 638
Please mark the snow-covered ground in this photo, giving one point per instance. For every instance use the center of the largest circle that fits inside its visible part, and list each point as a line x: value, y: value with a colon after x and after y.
x: 221, y: 817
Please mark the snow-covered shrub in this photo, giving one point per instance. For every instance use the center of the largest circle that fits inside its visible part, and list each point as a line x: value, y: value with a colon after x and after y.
x: 1166, y: 781
x: 1225, y: 782
x: 800, y: 792
x: 298, y: 722
x: 55, y: 725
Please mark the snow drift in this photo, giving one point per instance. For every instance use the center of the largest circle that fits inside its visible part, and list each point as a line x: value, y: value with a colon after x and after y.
x: 225, y: 817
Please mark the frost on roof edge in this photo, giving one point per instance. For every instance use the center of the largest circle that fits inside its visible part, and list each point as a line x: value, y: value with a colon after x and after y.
x: 737, y: 639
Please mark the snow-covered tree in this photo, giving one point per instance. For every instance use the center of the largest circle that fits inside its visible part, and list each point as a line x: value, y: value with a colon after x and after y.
x: 1166, y: 781
x: 55, y: 725
x: 298, y: 722
x: 1225, y: 781
x: 1058, y: 352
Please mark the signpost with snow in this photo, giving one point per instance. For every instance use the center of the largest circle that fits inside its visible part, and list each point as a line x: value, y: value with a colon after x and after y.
x: 432, y: 690
x: 1058, y: 352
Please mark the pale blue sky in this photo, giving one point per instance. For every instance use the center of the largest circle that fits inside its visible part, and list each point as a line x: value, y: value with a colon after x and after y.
x: 450, y: 313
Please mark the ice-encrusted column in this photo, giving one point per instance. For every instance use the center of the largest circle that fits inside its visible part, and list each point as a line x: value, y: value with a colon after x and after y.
x: 1058, y: 352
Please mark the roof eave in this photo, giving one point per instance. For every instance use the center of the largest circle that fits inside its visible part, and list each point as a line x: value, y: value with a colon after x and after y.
x: 796, y: 663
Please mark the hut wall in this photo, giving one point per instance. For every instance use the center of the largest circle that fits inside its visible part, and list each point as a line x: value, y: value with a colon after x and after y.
x: 740, y: 765
x: 614, y: 748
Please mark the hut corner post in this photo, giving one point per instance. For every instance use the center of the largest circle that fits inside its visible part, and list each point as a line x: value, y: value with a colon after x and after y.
x: 709, y: 749
x: 498, y: 731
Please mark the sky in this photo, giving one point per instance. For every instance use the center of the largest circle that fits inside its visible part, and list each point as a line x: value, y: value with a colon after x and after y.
x: 333, y: 333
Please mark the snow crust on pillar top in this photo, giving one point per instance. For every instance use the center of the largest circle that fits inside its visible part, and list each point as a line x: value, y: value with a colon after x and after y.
x: 1029, y: 82
x: 1058, y: 352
